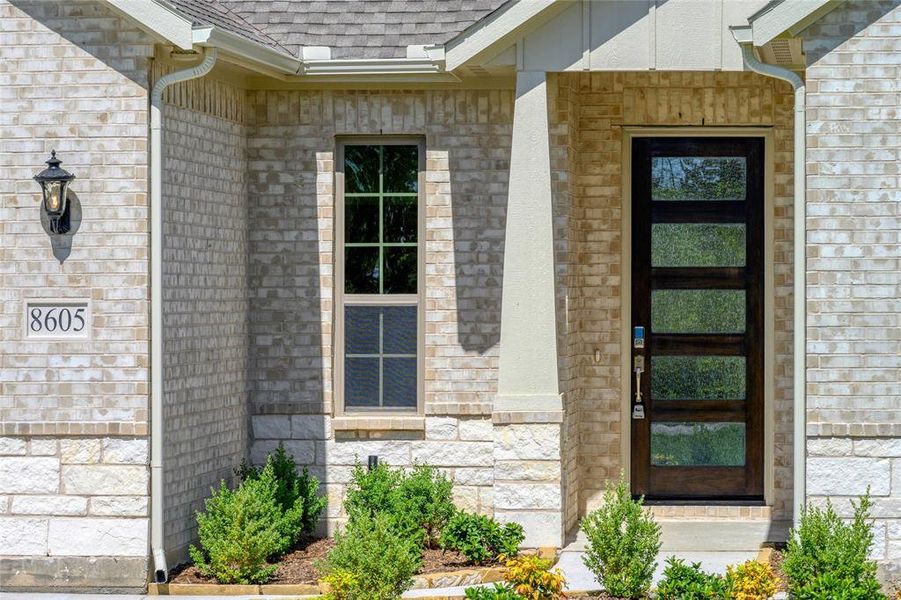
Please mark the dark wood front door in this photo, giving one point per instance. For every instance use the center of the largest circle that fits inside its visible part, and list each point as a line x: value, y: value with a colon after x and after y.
x: 697, y: 318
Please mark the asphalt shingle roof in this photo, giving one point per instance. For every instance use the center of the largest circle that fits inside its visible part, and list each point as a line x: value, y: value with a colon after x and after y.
x: 352, y: 28
x: 213, y: 12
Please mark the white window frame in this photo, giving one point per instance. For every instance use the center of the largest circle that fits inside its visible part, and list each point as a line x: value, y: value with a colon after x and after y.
x: 341, y: 299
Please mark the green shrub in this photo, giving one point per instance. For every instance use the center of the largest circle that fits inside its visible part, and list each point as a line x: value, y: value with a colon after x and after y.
x: 751, y: 581
x: 623, y: 541
x: 371, y: 560
x: 372, y: 491
x: 427, y: 496
x: 481, y: 538
x: 688, y: 582
x: 828, y: 558
x: 240, y: 530
x: 339, y: 584
x: 532, y: 578
x: 290, y: 487
x: 500, y: 591
x: 418, y: 504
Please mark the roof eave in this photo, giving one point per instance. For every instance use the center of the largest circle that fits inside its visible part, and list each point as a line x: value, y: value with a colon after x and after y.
x: 159, y: 20
x: 500, y: 28
x: 256, y: 54
x: 790, y: 17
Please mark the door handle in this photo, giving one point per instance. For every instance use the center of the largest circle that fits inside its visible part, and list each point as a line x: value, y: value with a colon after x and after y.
x: 638, y: 372
x: 638, y: 369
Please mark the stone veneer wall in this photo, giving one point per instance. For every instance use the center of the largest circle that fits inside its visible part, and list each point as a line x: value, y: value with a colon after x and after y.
x: 605, y: 103
x: 853, y: 224
x: 205, y: 298
x: 73, y: 462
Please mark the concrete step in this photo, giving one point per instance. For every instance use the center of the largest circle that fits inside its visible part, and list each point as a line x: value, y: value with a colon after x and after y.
x: 712, y: 535
x: 579, y: 578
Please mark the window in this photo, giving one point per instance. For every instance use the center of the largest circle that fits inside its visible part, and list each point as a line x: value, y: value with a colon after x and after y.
x: 379, y: 276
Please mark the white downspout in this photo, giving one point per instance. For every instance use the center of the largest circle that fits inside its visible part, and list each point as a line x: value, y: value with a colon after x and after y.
x: 799, y: 375
x: 160, y: 569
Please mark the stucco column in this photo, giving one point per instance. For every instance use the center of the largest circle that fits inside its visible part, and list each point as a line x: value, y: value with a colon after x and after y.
x: 528, y: 407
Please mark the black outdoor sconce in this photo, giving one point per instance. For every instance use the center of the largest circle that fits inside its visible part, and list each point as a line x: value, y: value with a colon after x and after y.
x: 54, y: 186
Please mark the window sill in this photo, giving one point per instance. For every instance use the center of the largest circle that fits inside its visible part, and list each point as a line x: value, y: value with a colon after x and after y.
x: 378, y: 423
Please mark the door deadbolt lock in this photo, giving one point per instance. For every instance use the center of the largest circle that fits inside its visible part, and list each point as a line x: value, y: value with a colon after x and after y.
x: 638, y: 337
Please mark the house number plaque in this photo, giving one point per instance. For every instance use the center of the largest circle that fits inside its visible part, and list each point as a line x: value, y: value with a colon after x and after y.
x: 58, y: 319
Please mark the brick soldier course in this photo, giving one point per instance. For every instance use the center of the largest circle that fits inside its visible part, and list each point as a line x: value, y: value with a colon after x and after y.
x: 249, y: 261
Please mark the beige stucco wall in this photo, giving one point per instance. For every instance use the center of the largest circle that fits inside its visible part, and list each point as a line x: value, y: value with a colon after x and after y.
x: 853, y: 223
x: 205, y: 298
x: 73, y: 462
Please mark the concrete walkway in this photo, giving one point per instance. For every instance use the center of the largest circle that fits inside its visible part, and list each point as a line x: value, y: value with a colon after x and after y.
x: 578, y: 577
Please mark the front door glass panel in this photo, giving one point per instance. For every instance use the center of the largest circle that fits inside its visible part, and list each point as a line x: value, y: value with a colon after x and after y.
x: 698, y: 444
x: 698, y: 245
x: 698, y: 377
x: 698, y: 311
x: 698, y: 178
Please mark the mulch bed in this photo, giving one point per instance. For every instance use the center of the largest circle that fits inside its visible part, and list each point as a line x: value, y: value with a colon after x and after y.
x: 439, y: 561
x: 776, y: 559
x: 298, y: 565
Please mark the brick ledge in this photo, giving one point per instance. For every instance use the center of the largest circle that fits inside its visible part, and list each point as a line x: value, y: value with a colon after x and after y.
x: 68, y: 428
x: 376, y: 423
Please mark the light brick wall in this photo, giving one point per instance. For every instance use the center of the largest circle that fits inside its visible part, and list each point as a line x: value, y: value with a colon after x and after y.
x: 80, y: 88
x: 853, y: 224
x: 291, y: 250
x: 291, y: 154
x: 564, y: 107
x: 73, y: 468
x: 205, y: 298
x: 605, y: 103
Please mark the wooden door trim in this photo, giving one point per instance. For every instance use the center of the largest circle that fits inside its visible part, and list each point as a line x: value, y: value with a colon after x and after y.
x: 629, y: 134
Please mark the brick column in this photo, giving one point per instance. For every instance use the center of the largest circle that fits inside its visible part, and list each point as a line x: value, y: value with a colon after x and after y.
x: 528, y: 409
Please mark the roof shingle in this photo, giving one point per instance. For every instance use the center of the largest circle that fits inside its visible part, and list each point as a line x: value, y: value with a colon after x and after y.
x: 213, y: 12
x: 352, y: 28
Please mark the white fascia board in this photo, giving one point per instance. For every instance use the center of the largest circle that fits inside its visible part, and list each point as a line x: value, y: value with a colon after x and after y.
x: 493, y: 31
x: 789, y: 16
x: 159, y: 20
x: 247, y: 50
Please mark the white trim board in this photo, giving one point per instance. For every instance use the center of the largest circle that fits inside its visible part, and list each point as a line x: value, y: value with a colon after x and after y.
x: 162, y: 22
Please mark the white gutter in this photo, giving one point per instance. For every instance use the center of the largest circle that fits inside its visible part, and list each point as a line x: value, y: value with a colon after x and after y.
x: 246, y: 49
x: 160, y: 569
x: 799, y: 290
x: 387, y: 66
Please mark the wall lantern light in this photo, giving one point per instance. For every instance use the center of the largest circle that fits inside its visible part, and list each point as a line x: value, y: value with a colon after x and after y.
x: 54, y: 186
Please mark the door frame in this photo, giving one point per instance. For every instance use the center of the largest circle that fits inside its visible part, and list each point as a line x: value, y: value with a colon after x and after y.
x: 630, y: 133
